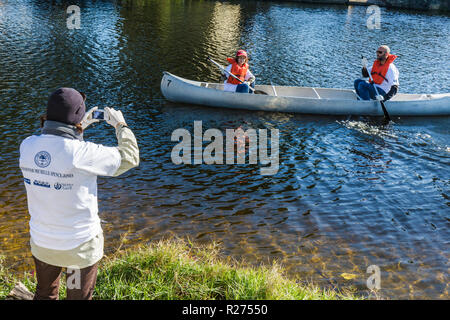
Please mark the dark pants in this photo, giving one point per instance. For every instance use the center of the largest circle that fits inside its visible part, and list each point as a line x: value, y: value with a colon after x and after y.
x: 243, y: 88
x: 48, y: 282
x: 366, y: 90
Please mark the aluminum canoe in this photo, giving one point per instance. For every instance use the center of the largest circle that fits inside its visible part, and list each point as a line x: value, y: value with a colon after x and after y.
x: 306, y: 100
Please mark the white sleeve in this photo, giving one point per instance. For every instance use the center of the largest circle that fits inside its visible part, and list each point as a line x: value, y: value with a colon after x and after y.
x: 228, y: 68
x: 97, y: 159
x: 248, y: 75
x: 393, y: 75
x: 128, y: 149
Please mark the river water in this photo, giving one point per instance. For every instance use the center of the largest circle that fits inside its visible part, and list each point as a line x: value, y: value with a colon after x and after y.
x: 350, y: 192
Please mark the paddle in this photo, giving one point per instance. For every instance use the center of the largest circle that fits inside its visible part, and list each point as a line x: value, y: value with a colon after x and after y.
x: 224, y: 70
x: 386, y: 114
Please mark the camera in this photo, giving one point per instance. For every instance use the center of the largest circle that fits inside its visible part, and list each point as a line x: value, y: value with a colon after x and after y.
x: 98, y: 114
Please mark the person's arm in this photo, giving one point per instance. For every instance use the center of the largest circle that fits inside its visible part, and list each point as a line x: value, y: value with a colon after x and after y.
x: 127, y: 144
x: 249, y: 77
x: 96, y: 159
x: 364, y: 72
x: 389, y: 77
x: 109, y: 161
x: 224, y: 76
x: 391, y: 93
x: 395, y: 75
x: 128, y: 149
x: 392, y: 80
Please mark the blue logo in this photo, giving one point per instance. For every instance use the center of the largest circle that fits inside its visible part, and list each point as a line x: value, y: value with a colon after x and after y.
x: 41, y: 184
x: 42, y: 159
x: 57, y: 186
x: 27, y: 180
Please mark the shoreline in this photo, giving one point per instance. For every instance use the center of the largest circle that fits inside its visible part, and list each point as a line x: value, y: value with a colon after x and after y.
x: 419, y: 5
x: 177, y: 269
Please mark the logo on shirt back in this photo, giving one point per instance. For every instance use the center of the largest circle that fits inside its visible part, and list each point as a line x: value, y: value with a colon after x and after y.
x: 40, y: 183
x: 63, y: 186
x: 42, y: 159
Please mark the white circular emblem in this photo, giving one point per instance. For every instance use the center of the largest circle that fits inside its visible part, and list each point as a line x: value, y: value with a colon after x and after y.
x: 42, y: 159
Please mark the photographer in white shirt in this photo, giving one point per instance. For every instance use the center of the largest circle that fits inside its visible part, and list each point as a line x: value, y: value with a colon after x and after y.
x: 60, y: 175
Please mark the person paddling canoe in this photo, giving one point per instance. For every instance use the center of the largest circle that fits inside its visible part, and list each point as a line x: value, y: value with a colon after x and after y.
x: 239, y: 67
x: 384, y: 75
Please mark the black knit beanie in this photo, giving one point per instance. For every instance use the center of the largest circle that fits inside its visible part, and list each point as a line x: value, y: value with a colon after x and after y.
x: 66, y: 105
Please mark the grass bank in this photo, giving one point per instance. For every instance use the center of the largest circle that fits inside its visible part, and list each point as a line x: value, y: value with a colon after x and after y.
x: 178, y: 269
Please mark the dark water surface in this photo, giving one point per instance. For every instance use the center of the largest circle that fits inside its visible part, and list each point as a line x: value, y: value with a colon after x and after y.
x: 349, y: 192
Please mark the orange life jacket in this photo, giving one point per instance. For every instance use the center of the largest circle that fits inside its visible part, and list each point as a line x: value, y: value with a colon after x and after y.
x: 237, y: 70
x: 379, y: 71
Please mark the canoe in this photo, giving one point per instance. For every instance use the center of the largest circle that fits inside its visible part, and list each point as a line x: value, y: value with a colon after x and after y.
x: 306, y: 100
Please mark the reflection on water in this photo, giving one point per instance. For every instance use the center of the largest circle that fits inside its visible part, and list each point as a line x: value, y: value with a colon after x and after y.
x: 349, y: 192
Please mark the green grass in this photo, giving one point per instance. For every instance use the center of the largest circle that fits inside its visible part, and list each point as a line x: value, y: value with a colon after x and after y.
x: 178, y: 269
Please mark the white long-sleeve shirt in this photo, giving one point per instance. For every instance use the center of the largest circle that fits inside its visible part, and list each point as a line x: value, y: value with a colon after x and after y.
x: 60, y: 176
x: 391, y: 76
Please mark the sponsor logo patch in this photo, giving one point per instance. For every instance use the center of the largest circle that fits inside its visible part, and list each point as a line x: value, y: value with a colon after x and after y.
x: 63, y: 186
x: 41, y: 184
x: 27, y: 180
x: 42, y: 159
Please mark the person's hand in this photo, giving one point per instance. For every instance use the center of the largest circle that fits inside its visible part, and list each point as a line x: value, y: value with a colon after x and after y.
x: 379, y: 98
x: 114, y: 117
x: 88, y: 119
x: 250, y: 80
x: 365, y: 73
x: 364, y: 62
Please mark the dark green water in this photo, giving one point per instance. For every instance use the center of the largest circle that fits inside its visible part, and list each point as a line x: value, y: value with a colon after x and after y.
x: 349, y: 193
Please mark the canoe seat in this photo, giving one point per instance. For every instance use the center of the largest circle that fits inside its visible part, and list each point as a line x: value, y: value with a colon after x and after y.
x: 218, y: 86
x: 412, y: 97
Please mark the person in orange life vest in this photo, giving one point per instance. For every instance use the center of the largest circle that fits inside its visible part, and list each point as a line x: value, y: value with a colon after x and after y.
x: 384, y: 74
x: 239, y: 67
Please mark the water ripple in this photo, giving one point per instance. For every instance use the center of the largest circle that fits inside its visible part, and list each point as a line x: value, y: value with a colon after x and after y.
x: 349, y: 193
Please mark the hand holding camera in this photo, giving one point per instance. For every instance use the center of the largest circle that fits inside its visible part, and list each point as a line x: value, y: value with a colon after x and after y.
x: 91, y: 117
x: 114, y: 117
x: 110, y: 115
